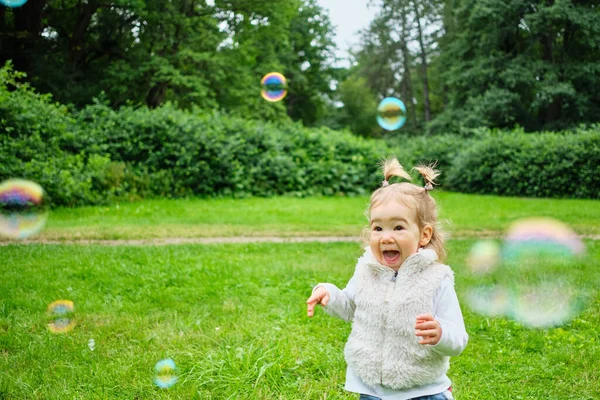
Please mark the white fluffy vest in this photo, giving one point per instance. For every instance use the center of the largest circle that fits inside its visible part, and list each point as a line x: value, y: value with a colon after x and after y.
x: 382, y: 348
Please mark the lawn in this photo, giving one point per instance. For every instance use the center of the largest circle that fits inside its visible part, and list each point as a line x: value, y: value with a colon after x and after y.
x: 233, y: 316
x: 467, y: 216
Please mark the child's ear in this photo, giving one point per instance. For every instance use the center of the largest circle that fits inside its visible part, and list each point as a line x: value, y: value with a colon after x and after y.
x: 426, y: 234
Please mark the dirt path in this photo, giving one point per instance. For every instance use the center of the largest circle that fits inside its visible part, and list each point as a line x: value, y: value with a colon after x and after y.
x: 223, y: 240
x: 172, y: 241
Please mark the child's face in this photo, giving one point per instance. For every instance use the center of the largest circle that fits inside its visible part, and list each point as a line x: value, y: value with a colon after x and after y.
x: 395, y: 234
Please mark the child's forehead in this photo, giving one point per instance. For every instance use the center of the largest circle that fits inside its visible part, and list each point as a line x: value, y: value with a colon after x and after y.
x: 392, y: 198
x: 393, y: 208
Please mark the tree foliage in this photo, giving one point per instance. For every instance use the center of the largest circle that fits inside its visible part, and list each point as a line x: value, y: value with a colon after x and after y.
x: 534, y: 64
x: 456, y: 64
x: 491, y: 63
x: 395, y: 54
x: 210, y: 55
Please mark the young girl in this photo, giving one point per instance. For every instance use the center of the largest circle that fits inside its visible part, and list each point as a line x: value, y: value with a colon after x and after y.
x: 406, y: 320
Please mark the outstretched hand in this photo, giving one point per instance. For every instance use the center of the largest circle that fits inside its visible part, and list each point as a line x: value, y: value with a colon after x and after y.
x: 429, y: 329
x: 319, y: 296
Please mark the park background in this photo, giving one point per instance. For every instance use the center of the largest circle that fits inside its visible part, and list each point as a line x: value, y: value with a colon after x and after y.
x: 143, y: 120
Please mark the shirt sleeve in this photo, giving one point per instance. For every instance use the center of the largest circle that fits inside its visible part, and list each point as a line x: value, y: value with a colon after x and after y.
x: 447, y: 312
x: 341, y: 301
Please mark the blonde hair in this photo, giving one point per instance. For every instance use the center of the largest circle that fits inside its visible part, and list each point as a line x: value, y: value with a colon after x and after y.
x: 415, y: 197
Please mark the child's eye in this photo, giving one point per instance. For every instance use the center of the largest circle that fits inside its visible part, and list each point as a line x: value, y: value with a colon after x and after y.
x: 398, y: 228
x: 377, y: 229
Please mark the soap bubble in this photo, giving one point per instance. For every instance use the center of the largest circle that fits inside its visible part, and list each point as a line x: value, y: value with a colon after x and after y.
x: 13, y: 3
x: 491, y: 300
x: 274, y: 87
x: 166, y: 373
x: 531, y: 279
x: 23, y: 209
x: 545, y: 304
x: 533, y: 239
x: 92, y: 344
x: 391, y: 113
x: 484, y: 256
x: 61, y: 316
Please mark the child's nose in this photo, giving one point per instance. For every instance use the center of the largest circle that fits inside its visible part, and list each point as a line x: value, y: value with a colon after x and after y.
x: 387, y: 238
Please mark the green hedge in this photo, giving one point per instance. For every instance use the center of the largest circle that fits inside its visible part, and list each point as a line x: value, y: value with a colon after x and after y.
x: 439, y: 149
x: 182, y: 153
x: 31, y: 128
x: 533, y: 165
x: 98, y: 154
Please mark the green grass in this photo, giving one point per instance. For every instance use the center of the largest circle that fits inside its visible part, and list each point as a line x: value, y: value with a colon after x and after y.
x: 233, y: 318
x: 469, y: 215
x: 283, y: 216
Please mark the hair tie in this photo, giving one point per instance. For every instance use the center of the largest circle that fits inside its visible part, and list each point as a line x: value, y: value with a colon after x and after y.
x: 385, y: 183
x: 428, y: 186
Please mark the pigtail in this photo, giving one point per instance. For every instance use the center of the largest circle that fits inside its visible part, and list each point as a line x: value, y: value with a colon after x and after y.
x: 390, y: 168
x: 429, y: 173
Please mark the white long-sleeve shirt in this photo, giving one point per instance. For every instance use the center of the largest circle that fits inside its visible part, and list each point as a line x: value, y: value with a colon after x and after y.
x: 452, y: 342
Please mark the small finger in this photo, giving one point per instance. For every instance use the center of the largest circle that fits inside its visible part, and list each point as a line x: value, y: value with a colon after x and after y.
x: 311, y: 309
x: 428, y: 340
x: 425, y: 317
x: 325, y: 300
x: 426, y: 325
x: 312, y: 299
x: 427, y: 332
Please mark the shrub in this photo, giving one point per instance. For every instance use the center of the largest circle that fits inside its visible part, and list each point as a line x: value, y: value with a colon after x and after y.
x: 440, y: 149
x: 211, y: 154
x: 31, y: 128
x: 98, y: 154
x: 524, y: 164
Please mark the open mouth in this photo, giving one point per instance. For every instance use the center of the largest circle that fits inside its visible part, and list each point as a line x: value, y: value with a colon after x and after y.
x: 391, y: 256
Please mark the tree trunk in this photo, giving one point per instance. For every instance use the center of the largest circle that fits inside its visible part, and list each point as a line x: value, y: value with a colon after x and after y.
x: 423, y: 64
x: 553, y: 110
x: 18, y: 42
x: 407, y: 93
x: 156, y: 95
x: 77, y: 40
x: 449, y: 22
x: 3, y: 32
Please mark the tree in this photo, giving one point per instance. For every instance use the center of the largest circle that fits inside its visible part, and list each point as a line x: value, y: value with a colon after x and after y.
x: 359, y: 109
x: 534, y: 64
x: 189, y: 52
x: 395, y: 54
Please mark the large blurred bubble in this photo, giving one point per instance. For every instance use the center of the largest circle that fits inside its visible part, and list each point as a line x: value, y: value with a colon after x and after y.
x: 484, y: 257
x: 531, y: 277
x: 23, y: 209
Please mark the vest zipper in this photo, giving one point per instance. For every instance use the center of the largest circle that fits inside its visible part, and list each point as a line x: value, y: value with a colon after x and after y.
x: 392, y: 283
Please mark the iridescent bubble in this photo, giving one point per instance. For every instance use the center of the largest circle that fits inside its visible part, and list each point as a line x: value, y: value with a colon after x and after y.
x: 23, y: 210
x: 166, y: 373
x: 92, y: 344
x: 545, y: 305
x: 537, y: 238
x: 484, y: 257
x: 61, y: 315
x: 539, y: 254
x: 534, y: 281
x: 13, y: 3
x: 491, y: 300
x: 273, y: 87
x: 391, y: 113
